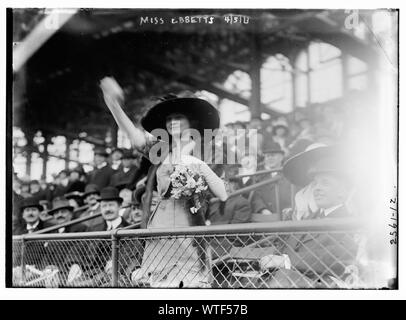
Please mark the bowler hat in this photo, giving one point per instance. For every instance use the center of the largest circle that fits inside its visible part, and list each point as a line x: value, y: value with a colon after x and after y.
x: 100, y: 151
x: 196, y: 110
x: 31, y: 202
x: 127, y: 154
x: 272, y: 147
x: 73, y: 195
x: 110, y: 194
x: 60, y: 203
x: 91, y: 189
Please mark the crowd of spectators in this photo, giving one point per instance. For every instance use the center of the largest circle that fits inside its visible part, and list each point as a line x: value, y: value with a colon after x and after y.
x: 278, y: 139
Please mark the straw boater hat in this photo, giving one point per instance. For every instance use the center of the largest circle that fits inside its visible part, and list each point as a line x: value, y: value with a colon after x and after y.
x: 60, y: 203
x: 200, y: 113
x: 318, y: 158
x: 110, y: 194
x: 31, y: 202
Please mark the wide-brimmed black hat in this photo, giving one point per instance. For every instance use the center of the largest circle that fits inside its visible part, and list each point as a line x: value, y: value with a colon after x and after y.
x: 330, y: 165
x: 60, y: 203
x: 91, y: 189
x: 300, y: 168
x: 31, y: 202
x: 110, y: 194
x: 198, y: 111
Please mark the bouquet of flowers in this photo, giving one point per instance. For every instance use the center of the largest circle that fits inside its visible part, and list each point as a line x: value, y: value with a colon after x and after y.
x: 187, y: 183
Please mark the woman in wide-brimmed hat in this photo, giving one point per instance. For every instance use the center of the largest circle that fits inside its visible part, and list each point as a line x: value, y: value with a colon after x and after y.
x: 175, y: 262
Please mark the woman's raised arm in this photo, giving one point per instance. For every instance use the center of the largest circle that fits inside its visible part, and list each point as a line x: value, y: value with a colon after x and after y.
x: 114, y: 96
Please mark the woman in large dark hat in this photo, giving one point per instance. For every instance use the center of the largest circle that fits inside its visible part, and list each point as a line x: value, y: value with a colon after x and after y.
x: 168, y: 263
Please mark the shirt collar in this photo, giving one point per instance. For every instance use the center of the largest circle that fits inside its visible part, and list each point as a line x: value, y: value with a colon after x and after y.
x: 331, y: 209
x: 32, y: 226
x: 111, y: 225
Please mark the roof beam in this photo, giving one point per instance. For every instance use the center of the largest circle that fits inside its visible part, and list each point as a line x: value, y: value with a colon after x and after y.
x: 199, y: 83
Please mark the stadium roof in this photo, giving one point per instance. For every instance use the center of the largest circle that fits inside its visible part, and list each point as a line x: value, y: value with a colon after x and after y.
x: 57, y: 90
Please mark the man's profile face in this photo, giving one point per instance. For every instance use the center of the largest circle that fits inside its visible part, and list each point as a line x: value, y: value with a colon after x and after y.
x: 31, y: 215
x: 92, y: 198
x: 328, y: 190
x: 109, y: 210
x: 63, y: 215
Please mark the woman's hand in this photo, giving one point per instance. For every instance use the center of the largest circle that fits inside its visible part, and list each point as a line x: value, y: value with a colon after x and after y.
x: 112, y: 91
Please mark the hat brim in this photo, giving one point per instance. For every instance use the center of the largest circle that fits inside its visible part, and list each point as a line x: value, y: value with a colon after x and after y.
x: 194, y: 109
x: 296, y: 168
x: 52, y: 211
x: 38, y: 206
x: 89, y: 193
x: 119, y: 199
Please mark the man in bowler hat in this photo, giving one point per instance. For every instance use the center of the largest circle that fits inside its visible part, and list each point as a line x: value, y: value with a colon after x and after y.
x: 110, y: 203
x: 102, y: 172
x: 62, y: 211
x: 90, y: 197
x: 124, y: 176
x: 31, y: 210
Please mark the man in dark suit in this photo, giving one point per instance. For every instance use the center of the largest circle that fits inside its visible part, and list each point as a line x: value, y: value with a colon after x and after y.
x: 124, y: 176
x: 266, y: 197
x: 90, y: 197
x: 110, y: 203
x: 330, y: 253
x: 99, y: 254
x: 103, y: 172
x: 31, y: 210
x: 62, y: 212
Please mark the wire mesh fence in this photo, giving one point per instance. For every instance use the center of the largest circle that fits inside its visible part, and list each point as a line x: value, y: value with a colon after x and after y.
x: 239, y: 256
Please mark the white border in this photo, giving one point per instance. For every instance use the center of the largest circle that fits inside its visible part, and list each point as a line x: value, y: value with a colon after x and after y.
x: 191, y: 294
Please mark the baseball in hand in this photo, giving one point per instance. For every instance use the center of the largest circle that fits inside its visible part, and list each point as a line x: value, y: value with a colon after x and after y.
x: 111, y: 89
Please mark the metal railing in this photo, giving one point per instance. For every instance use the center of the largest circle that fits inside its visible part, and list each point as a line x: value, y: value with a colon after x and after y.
x: 288, y: 254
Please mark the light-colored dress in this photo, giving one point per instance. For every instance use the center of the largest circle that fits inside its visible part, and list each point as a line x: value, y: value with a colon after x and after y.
x: 175, y: 262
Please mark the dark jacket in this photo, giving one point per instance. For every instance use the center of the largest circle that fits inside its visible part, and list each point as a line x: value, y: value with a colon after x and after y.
x: 103, y: 226
x: 76, y: 186
x: 23, y: 228
x: 124, y: 178
x: 79, y: 227
x: 236, y: 210
x: 92, y: 223
x: 265, y: 197
x: 341, y: 249
x: 101, y: 177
